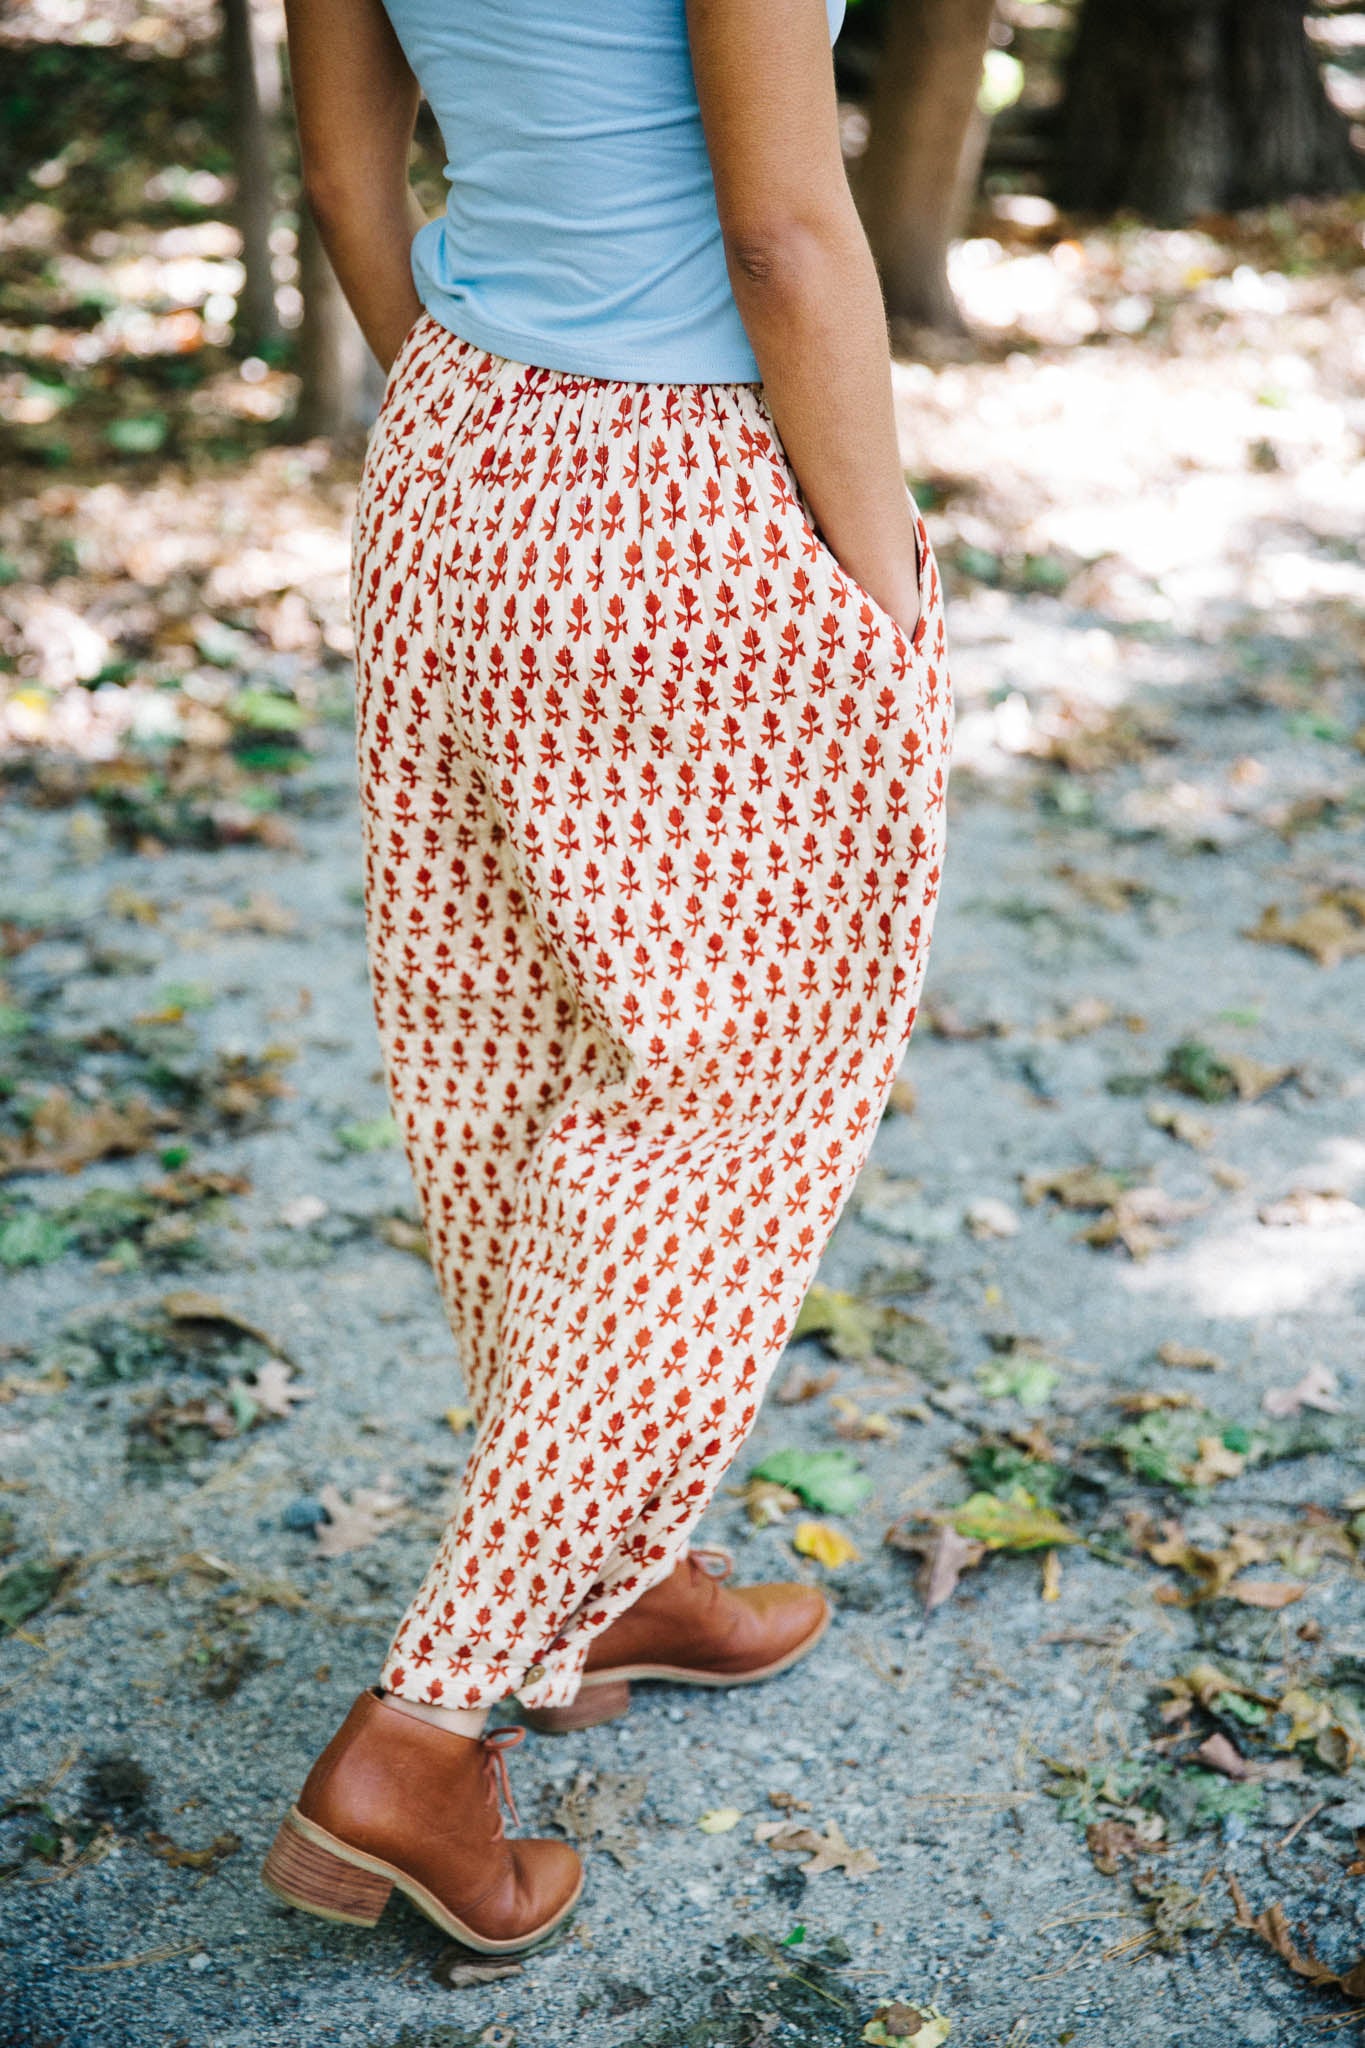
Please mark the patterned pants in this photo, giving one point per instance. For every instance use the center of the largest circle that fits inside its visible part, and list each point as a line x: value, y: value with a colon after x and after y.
x: 653, y: 802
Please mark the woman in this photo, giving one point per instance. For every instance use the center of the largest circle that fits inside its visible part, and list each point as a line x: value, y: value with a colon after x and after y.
x: 654, y: 724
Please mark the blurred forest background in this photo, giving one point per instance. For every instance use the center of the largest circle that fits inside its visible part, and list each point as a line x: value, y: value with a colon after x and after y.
x: 163, y: 292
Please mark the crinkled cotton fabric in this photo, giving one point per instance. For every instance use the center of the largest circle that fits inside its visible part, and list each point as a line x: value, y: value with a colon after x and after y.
x: 654, y: 809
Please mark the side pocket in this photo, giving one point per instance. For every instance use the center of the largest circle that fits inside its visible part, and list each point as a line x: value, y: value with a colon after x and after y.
x: 398, y: 366
x: 922, y: 558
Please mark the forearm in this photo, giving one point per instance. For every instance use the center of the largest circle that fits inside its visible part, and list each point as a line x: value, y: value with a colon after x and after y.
x: 368, y: 237
x: 812, y: 308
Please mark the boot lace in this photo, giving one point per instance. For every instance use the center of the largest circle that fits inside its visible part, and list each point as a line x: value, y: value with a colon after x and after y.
x: 494, y: 1746
x: 711, y: 1558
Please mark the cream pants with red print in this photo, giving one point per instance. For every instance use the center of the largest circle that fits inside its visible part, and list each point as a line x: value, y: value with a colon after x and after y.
x: 654, y: 811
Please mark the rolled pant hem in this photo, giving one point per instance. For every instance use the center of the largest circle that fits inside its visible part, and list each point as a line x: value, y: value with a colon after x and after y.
x: 553, y: 1681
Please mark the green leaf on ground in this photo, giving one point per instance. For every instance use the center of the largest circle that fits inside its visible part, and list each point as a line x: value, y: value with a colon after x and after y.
x: 1004, y: 1470
x: 32, y: 1239
x: 28, y: 1587
x: 828, y: 1480
x: 854, y: 1327
x: 1188, y: 1447
x: 1018, y: 1523
x: 1029, y: 1381
x: 375, y: 1134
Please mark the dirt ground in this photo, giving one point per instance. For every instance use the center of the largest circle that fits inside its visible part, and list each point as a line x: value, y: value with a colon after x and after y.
x: 1094, y: 1303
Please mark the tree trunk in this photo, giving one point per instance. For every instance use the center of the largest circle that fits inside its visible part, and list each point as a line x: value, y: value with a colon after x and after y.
x: 1177, y: 107
x: 918, y: 173
x: 334, y: 361
x: 254, y: 100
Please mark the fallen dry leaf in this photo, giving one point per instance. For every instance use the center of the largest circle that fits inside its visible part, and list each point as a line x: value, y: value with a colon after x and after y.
x: 130, y: 906
x: 1189, y: 1357
x: 273, y: 1390
x: 1212, y: 1569
x: 459, y: 1418
x: 1204, y: 1685
x: 171, y: 1852
x: 1018, y: 1523
x: 1105, y: 891
x: 1087, y: 738
x: 260, y: 913
x: 1251, y: 1078
x: 765, y: 1501
x: 459, y: 1968
x: 1331, y: 929
x: 900, y: 2020
x: 1078, y: 1019
x: 1181, y: 1124
x: 828, y: 1546
x: 945, y: 1556
x: 944, y: 1020
x: 1269, y: 1593
x: 1314, y: 1719
x: 188, y: 1305
x: 804, y: 1385
x: 354, y: 1524
x: 830, y: 1850
x: 1273, y: 1929
x: 1317, y: 1389
x: 720, y: 1820
x: 989, y: 1217
x: 1112, y: 1842
x: 1137, y: 1221
x: 63, y: 1135
x: 861, y: 1425
x: 1152, y: 1401
x: 1223, y: 1756
x: 603, y: 1807
x: 1215, y: 1461
x: 404, y: 1235
x: 1075, y: 1187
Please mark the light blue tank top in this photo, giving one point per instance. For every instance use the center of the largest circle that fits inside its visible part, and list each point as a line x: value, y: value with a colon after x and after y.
x: 581, y: 230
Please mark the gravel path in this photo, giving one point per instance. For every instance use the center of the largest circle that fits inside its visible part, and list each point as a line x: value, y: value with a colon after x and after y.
x: 173, y: 1690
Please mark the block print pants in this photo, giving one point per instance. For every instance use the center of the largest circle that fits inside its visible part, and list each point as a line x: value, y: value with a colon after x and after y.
x: 653, y: 800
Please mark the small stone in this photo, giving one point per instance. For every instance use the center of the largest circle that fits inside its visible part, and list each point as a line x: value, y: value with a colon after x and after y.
x: 989, y: 1217
x: 199, y: 1962
x: 304, y: 1514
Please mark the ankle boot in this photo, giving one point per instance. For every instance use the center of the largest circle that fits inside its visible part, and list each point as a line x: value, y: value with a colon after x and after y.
x: 692, y: 1629
x: 394, y: 1800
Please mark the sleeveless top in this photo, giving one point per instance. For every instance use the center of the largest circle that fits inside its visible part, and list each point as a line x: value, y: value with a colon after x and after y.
x: 580, y: 231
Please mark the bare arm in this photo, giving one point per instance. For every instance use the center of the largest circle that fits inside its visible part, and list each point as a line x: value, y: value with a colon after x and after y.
x: 804, y: 279
x: 356, y: 102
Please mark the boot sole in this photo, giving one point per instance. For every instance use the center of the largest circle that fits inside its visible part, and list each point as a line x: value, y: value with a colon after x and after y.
x: 312, y: 1870
x: 605, y: 1695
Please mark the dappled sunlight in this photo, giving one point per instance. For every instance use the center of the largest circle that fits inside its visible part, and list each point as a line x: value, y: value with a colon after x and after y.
x: 1302, y: 1257
x: 1190, y: 471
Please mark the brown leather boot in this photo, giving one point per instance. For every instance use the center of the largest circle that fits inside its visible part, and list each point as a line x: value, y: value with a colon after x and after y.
x: 394, y: 1800
x: 692, y: 1629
